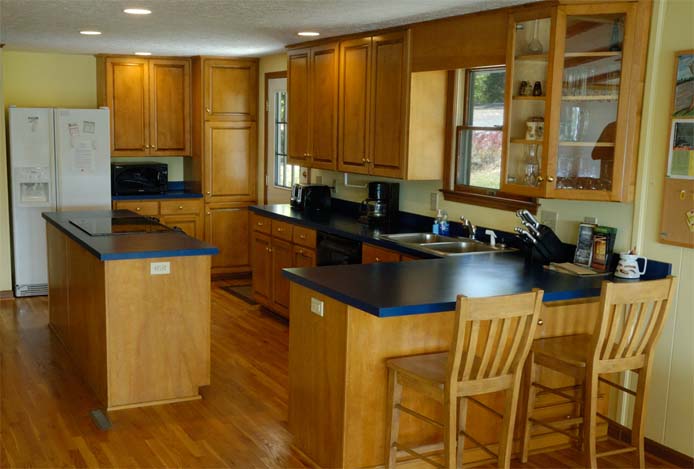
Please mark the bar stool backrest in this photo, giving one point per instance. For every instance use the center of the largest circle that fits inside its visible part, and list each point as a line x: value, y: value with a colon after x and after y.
x: 631, y: 320
x: 492, y: 337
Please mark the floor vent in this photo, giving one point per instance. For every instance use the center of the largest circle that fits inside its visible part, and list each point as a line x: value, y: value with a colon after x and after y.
x: 36, y: 289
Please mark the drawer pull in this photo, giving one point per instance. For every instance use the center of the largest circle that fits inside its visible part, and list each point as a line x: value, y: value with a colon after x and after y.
x: 540, y: 322
x: 280, y: 230
x: 302, y: 236
x: 260, y: 223
x: 180, y: 207
x: 378, y: 259
x: 137, y: 209
x: 301, y: 251
x: 208, y: 110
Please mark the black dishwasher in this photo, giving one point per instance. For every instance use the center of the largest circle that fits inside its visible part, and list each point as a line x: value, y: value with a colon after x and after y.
x: 336, y: 250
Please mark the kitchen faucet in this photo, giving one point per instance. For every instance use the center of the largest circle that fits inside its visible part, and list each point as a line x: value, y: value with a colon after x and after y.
x: 470, y: 227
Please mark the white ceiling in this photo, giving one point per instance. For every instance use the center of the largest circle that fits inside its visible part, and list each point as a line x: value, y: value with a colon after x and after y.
x: 207, y: 27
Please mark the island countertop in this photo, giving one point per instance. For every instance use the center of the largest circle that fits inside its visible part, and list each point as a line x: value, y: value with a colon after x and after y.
x: 128, y: 246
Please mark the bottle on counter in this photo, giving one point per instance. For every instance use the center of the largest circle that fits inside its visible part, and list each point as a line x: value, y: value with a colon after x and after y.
x: 441, y: 225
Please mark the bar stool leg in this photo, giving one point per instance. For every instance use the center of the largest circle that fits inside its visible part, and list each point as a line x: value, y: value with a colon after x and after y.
x: 450, y: 428
x: 393, y: 417
x: 506, y: 440
x: 590, y: 418
x: 462, y: 420
x: 638, y: 421
x: 529, y: 372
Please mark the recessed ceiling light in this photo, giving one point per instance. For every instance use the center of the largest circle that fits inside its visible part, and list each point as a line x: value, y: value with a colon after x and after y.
x: 308, y: 33
x: 91, y: 33
x: 137, y: 11
x: 143, y: 53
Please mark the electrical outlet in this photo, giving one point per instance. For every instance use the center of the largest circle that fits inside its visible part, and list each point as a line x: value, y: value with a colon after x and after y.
x: 591, y: 220
x: 549, y: 219
x: 434, y: 201
x: 159, y: 268
x: 317, y: 307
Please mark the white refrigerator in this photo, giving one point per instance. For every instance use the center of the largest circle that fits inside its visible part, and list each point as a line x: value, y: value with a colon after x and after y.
x: 59, y: 160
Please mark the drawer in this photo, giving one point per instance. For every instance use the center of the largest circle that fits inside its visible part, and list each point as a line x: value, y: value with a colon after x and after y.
x: 371, y: 254
x: 282, y: 230
x: 261, y: 224
x: 304, y: 237
x: 173, y: 207
x: 141, y: 207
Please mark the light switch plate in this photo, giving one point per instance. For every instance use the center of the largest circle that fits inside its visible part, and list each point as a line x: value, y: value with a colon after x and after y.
x: 159, y: 268
x: 434, y: 201
x: 317, y: 307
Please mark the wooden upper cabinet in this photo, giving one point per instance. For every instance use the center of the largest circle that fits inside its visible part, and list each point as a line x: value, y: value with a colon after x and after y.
x: 127, y: 96
x: 353, y: 106
x: 150, y: 108
x: 389, y: 112
x: 169, y: 82
x: 230, y: 89
x: 230, y: 161
x: 298, y: 106
x: 312, y: 106
x: 323, y: 106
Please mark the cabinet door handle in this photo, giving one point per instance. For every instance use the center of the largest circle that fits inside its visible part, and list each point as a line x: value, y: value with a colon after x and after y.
x: 540, y: 179
x: 208, y: 192
x: 363, y: 160
x: 180, y: 207
x: 302, y: 236
x: 280, y: 230
x: 208, y: 110
x: 269, y: 249
x: 301, y: 251
x: 209, y: 213
x: 146, y: 147
x: 540, y: 322
x: 137, y: 209
x: 550, y: 179
x: 378, y: 259
x: 260, y: 223
x: 154, y: 147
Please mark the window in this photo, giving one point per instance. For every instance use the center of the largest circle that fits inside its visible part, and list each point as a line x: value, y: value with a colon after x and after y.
x: 478, y: 159
x: 285, y: 174
x: 478, y: 118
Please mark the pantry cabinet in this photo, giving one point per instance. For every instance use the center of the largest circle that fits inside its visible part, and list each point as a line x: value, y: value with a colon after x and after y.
x: 589, y: 61
x: 312, y: 75
x: 150, y: 105
x: 223, y: 167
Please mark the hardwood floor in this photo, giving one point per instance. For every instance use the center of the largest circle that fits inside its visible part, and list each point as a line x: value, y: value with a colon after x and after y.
x: 240, y: 422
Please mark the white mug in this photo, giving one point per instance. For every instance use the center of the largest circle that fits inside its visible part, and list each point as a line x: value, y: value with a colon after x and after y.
x: 627, y: 267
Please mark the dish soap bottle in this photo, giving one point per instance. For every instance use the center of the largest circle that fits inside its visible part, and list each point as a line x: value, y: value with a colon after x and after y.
x: 441, y: 225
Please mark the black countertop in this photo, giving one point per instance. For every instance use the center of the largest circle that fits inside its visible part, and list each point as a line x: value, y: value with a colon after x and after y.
x: 429, y: 285
x: 128, y: 246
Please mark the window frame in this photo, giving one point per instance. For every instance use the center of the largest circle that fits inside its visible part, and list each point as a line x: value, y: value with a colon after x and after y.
x: 276, y: 153
x: 486, y: 197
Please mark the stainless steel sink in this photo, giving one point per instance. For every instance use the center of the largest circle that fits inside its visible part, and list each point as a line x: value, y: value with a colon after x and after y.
x: 444, y: 245
x: 417, y: 238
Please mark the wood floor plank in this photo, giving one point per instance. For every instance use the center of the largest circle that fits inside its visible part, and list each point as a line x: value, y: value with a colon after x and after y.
x: 240, y: 422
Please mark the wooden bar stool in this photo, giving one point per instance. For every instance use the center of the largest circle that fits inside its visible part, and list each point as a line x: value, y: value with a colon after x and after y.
x: 629, y: 323
x: 491, y: 340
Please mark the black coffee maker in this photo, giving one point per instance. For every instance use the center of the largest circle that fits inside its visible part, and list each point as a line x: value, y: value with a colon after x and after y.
x: 381, y: 208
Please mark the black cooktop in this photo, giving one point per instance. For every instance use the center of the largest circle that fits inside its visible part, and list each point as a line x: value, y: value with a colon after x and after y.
x: 106, y: 226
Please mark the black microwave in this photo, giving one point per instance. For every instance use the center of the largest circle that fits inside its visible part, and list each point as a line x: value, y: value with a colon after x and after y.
x: 139, y: 178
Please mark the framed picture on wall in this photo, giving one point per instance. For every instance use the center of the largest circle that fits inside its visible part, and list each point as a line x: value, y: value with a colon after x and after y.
x: 683, y: 105
x: 681, y: 158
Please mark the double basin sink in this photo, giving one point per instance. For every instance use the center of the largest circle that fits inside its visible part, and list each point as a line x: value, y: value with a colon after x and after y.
x: 444, y: 245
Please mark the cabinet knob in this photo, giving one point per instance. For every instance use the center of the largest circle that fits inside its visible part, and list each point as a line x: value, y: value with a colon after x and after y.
x: 180, y: 207
x: 146, y: 146
x: 280, y: 230
x: 368, y: 161
x: 540, y: 179
x: 209, y: 213
x: 260, y: 223
x: 137, y: 209
x: 208, y: 110
x: 208, y: 192
x: 550, y: 179
x: 269, y: 249
x: 378, y: 259
x: 301, y: 251
x: 154, y: 147
x: 540, y: 322
x: 302, y: 236
x: 363, y: 160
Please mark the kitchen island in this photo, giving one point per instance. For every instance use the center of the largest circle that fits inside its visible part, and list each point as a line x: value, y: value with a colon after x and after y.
x: 346, y: 321
x: 130, y: 300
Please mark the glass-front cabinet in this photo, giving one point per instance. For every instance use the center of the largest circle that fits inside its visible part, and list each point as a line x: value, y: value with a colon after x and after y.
x: 571, y: 142
x: 529, y: 77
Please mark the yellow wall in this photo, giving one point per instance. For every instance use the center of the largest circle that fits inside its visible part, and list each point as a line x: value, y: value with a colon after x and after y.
x: 5, y: 255
x: 270, y: 63
x: 670, y: 407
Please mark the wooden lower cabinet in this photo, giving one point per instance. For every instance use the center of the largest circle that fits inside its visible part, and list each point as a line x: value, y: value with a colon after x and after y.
x: 184, y: 214
x: 226, y: 227
x: 277, y: 245
x: 261, y: 258
x: 371, y: 254
x: 282, y: 257
x: 189, y: 224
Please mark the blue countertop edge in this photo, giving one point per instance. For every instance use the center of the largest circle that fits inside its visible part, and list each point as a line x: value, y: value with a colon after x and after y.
x: 80, y: 238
